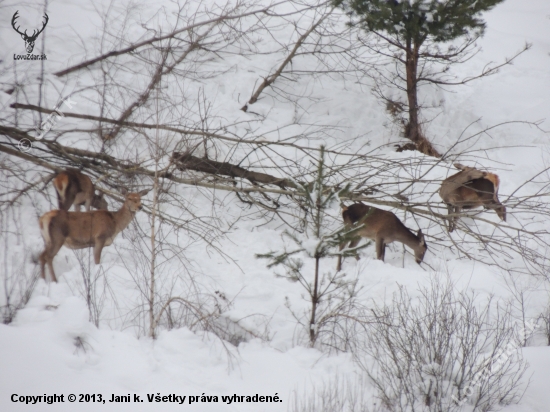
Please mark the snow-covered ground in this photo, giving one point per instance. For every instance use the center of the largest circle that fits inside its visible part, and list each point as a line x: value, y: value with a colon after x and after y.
x: 51, y: 347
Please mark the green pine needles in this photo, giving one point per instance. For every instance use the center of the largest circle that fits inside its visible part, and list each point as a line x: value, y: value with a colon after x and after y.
x: 417, y: 42
x: 416, y: 20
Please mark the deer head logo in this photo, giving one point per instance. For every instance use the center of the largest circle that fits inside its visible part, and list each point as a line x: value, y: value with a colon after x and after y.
x: 29, y: 40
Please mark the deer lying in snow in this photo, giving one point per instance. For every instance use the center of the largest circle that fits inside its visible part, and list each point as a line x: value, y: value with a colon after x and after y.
x: 74, y: 187
x: 80, y: 230
x: 383, y: 227
x: 468, y: 189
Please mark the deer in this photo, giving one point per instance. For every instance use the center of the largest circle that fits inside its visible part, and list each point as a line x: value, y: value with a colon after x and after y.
x: 468, y: 189
x: 81, y: 230
x: 74, y: 187
x: 29, y: 40
x: 381, y: 226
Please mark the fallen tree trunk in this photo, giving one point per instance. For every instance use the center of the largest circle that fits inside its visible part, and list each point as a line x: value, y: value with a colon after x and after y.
x: 186, y: 161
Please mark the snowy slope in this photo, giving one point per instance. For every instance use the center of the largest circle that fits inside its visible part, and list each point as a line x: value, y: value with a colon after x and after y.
x: 52, y: 347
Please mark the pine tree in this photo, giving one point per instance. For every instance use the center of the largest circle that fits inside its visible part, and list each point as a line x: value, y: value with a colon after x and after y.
x: 413, y: 31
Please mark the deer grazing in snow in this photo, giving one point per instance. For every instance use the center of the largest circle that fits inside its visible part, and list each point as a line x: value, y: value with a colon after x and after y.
x: 74, y: 187
x: 80, y: 230
x: 381, y: 226
x: 468, y: 189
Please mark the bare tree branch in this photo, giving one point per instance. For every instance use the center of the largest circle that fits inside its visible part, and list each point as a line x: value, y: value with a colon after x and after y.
x: 270, y: 79
x: 160, y: 38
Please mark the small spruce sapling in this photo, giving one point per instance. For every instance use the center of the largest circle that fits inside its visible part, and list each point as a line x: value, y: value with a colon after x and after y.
x: 329, y: 293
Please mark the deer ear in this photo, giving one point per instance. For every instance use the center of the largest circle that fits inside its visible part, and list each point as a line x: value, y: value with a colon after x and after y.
x: 124, y: 191
x: 144, y: 192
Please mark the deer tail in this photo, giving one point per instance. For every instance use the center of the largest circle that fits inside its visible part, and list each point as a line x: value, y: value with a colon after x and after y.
x: 44, y: 223
x: 493, y: 178
x: 61, y: 182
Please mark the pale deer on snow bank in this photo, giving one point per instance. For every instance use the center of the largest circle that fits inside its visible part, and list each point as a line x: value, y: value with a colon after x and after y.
x: 383, y: 227
x: 74, y: 187
x: 80, y: 230
x: 471, y: 188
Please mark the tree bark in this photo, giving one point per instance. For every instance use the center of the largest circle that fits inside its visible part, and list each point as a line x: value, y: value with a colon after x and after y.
x: 412, y: 129
x: 186, y: 161
x: 314, y: 302
x: 412, y: 93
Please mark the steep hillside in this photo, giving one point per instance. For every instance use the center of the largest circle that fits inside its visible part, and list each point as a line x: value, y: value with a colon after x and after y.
x: 225, y: 323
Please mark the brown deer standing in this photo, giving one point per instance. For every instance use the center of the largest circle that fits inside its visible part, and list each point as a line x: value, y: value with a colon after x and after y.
x: 80, y: 230
x: 74, y: 187
x: 383, y: 227
x: 468, y: 189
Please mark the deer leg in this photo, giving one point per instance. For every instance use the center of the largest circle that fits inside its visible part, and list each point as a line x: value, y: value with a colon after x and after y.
x: 65, y: 194
x: 453, y: 219
x: 339, y: 264
x: 98, y: 247
x: 353, y: 244
x: 457, y: 210
x: 50, y: 265
x: 59, y: 201
x: 450, y: 209
x: 78, y: 202
x: 88, y: 204
x: 46, y: 259
x: 63, y: 204
x: 380, y: 249
x: 340, y: 258
x: 49, y: 253
x: 69, y: 199
x: 58, y: 239
x: 42, y: 259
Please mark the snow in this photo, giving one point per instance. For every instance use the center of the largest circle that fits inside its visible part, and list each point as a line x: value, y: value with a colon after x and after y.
x: 52, y: 347
x: 40, y: 347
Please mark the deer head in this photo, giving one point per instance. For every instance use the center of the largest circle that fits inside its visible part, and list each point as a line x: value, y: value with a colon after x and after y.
x: 29, y: 40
